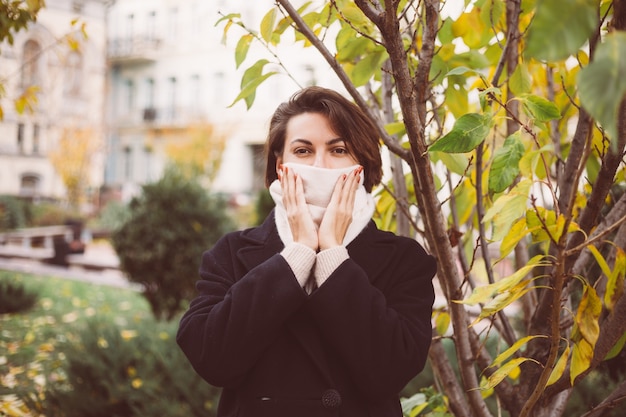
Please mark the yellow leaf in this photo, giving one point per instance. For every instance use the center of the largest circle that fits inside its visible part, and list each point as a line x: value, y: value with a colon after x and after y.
x: 267, y: 25
x: 137, y: 383
x: 514, y: 348
x: 588, y: 314
x: 559, y: 368
x: 582, y: 353
x: 502, y: 373
x: 103, y: 343
x: 483, y: 293
x: 442, y: 322
x: 507, y: 209
x: 128, y: 334
x: 615, y: 284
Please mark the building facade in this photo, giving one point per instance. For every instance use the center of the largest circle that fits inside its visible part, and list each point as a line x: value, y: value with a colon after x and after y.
x: 54, y: 63
x: 170, y: 69
x: 147, y: 76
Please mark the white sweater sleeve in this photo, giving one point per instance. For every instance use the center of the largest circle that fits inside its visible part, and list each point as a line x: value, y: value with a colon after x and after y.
x: 327, y: 261
x: 301, y: 259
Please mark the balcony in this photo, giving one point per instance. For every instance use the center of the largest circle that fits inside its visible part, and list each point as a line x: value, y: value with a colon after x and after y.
x: 134, y: 50
x: 162, y: 117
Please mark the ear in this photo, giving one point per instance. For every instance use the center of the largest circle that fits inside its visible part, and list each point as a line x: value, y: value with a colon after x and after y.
x: 279, y: 162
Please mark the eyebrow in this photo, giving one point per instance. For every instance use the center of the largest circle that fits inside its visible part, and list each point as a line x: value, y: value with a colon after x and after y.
x: 308, y: 142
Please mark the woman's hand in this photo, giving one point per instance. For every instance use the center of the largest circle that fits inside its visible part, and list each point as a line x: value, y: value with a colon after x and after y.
x: 301, y: 223
x: 338, y: 214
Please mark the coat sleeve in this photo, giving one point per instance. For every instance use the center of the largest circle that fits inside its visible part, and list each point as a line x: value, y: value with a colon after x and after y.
x: 380, y: 332
x: 233, y: 320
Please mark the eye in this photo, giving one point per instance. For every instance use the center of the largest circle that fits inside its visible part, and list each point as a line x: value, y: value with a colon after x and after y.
x: 301, y: 151
x: 341, y: 150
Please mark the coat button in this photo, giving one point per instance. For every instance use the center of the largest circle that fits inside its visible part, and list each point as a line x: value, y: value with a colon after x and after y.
x: 331, y: 398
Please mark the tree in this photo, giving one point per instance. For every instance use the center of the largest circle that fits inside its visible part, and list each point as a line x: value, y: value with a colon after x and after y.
x: 15, y: 15
x: 511, y: 123
x: 171, y: 223
x: 199, y: 153
x: 72, y: 158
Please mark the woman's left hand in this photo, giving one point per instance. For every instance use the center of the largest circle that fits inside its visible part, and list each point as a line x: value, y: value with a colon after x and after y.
x: 338, y: 215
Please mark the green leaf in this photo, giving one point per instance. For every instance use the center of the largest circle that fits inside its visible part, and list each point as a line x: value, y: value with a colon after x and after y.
x: 267, y: 25
x: 466, y: 134
x: 615, y: 283
x: 617, y: 348
x: 242, y: 48
x: 560, y: 27
x: 602, y: 84
x: 397, y: 129
x: 457, y: 163
x: 505, y: 165
x: 539, y: 108
x: 456, y: 100
x: 365, y: 69
x: 521, y: 81
x: 250, y: 81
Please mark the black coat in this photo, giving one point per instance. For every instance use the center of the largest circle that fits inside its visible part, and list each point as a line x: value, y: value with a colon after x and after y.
x: 345, y: 350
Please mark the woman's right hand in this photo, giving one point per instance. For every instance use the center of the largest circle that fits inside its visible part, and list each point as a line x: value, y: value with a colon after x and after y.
x: 301, y: 223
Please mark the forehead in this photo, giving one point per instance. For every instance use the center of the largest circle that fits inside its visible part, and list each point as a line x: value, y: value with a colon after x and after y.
x: 309, y: 126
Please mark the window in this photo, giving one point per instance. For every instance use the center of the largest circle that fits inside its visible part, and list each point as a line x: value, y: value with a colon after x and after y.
x: 36, y: 139
x: 196, y: 94
x: 151, y: 26
x: 218, y: 90
x: 30, y: 64
x: 29, y: 185
x: 172, y: 97
x: 74, y: 74
x: 20, y: 138
x: 128, y: 163
x: 129, y: 95
x: 149, y: 93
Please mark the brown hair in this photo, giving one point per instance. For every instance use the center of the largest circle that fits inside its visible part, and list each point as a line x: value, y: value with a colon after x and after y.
x: 346, y: 119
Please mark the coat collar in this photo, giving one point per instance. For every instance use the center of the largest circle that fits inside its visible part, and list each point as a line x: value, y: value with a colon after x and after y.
x: 371, y: 249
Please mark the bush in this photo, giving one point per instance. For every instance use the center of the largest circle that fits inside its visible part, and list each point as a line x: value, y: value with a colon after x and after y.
x: 15, y: 297
x: 14, y: 213
x: 51, y: 214
x: 111, y: 370
x: 160, y: 246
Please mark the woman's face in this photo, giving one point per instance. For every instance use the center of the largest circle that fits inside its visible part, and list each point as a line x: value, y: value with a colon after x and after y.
x: 310, y: 140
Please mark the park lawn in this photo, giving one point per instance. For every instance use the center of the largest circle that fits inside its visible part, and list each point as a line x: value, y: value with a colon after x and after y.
x: 28, y: 341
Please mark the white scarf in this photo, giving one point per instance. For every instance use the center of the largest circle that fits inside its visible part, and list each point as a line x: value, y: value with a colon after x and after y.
x: 318, y: 184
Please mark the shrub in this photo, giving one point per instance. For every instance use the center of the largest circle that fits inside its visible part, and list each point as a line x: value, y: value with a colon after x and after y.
x: 51, y: 214
x: 112, y: 217
x: 14, y: 213
x: 15, y: 297
x: 160, y: 246
x: 112, y: 370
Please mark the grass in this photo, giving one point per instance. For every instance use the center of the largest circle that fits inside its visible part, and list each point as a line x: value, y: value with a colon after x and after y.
x: 28, y: 341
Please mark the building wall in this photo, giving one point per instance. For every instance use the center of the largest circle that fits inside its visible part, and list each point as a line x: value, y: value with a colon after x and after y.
x: 71, y: 93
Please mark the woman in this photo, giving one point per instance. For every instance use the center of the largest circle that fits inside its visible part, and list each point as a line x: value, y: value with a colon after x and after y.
x: 316, y: 312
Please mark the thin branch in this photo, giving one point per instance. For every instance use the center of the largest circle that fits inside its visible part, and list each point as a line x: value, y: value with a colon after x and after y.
x: 576, y: 249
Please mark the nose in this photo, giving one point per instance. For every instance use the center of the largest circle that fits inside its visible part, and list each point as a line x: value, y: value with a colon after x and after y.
x: 320, y: 160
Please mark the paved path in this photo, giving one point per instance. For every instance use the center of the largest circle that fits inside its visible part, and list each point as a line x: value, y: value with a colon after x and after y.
x: 99, y: 254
